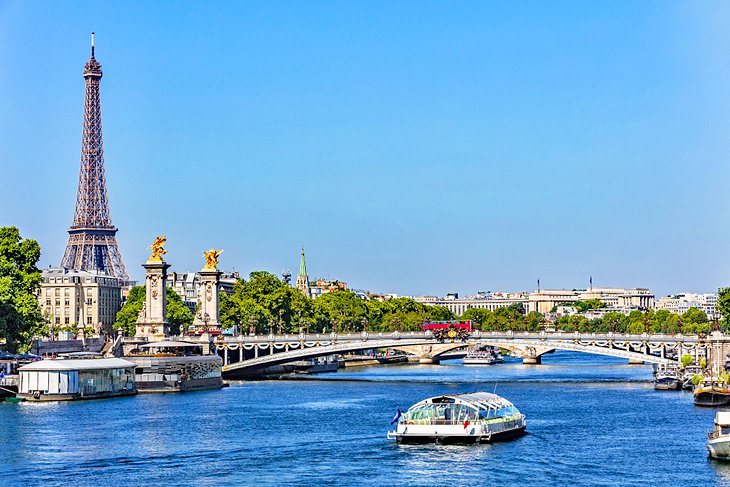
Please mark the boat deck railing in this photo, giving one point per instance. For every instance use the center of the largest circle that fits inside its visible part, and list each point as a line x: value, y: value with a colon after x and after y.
x: 479, y: 422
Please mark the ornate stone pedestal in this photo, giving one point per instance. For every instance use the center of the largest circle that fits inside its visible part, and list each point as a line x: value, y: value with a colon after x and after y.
x: 207, y: 317
x: 152, y: 323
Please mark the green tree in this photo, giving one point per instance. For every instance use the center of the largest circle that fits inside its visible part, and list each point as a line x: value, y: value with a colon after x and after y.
x: 723, y: 304
x: 20, y: 314
x: 694, y: 315
x: 178, y: 315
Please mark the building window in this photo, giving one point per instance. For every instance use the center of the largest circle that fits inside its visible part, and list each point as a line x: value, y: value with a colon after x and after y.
x: 66, y: 292
x: 58, y: 320
x: 48, y: 291
x: 66, y: 302
x: 48, y: 301
x: 65, y: 320
x: 88, y: 320
x: 57, y: 291
x: 58, y: 302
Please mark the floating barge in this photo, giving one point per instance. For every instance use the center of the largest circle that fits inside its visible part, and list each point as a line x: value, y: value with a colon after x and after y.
x: 478, y: 417
x: 175, y: 366
x: 74, y: 379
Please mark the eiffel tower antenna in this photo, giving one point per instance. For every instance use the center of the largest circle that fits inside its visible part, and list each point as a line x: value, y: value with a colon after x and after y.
x: 92, y: 243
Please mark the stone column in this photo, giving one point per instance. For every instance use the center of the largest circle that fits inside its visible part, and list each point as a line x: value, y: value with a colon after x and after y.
x: 207, y: 315
x: 152, y: 321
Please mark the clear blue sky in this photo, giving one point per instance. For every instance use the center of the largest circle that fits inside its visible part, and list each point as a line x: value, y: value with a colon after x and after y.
x: 411, y: 147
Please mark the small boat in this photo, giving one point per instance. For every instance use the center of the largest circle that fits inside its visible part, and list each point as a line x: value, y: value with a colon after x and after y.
x: 477, y: 417
x: 711, y: 392
x: 688, y: 373
x: 718, y: 440
x: 667, y: 379
x: 483, y: 356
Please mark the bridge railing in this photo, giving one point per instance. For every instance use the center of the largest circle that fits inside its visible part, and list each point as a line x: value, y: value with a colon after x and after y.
x: 476, y: 334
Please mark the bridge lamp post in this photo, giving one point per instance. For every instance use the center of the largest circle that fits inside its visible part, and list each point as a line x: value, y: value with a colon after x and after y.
x: 280, y: 322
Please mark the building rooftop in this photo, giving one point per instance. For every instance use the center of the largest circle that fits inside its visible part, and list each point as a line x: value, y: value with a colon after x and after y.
x: 78, y: 364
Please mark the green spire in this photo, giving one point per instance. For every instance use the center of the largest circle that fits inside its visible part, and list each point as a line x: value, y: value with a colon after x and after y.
x: 302, y: 265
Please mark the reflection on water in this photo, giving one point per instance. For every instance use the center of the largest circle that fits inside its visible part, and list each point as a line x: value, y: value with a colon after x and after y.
x: 591, y: 421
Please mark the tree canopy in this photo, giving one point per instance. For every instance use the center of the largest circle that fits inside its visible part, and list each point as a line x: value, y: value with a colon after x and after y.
x: 178, y: 315
x: 20, y: 314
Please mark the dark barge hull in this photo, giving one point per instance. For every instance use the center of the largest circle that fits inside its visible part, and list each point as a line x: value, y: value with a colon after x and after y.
x: 712, y: 399
x: 462, y: 440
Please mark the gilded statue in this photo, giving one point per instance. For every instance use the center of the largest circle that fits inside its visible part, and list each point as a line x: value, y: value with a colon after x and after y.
x: 211, y: 258
x: 157, y: 250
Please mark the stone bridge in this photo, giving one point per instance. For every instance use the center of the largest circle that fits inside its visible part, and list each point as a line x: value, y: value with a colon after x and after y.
x: 247, y: 355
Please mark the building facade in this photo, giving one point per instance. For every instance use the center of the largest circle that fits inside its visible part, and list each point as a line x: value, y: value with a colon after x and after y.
x: 490, y: 301
x: 544, y: 300
x: 70, y: 297
x: 681, y: 303
x: 188, y: 286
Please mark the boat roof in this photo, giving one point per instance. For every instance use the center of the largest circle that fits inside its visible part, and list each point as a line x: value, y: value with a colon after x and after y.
x: 78, y: 364
x: 170, y: 344
x: 722, y: 418
x: 484, y: 400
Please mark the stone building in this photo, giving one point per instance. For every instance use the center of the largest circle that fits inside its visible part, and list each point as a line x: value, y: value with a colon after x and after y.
x: 187, y: 285
x: 71, y: 297
x: 682, y: 302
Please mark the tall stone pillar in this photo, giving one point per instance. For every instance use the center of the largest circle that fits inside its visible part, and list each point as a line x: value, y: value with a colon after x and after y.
x: 152, y: 321
x: 207, y: 316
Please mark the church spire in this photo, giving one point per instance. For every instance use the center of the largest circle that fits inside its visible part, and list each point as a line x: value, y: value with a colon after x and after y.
x: 303, y: 278
x: 302, y: 265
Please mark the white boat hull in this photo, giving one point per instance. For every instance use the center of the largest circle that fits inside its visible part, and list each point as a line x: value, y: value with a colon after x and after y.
x: 719, y: 448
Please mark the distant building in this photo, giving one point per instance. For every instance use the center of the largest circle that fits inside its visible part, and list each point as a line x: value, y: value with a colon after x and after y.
x: 303, y: 278
x: 681, y: 303
x: 544, y: 300
x: 187, y: 285
x: 490, y: 301
x: 324, y: 286
x: 70, y: 297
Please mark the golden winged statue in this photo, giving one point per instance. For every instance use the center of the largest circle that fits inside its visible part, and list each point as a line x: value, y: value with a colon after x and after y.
x: 211, y: 258
x: 157, y: 250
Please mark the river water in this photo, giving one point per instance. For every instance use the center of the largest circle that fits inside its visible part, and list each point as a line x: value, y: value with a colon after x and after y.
x: 591, y: 421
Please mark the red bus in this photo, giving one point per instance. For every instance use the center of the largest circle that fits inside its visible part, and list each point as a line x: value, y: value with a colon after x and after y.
x: 441, y: 325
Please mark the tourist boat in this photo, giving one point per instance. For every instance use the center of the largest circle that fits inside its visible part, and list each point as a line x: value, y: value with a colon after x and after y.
x: 477, y: 417
x: 483, y: 356
x: 718, y: 440
x: 667, y: 379
x: 711, y: 392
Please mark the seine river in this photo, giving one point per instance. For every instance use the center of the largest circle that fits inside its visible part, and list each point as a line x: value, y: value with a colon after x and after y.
x: 591, y: 421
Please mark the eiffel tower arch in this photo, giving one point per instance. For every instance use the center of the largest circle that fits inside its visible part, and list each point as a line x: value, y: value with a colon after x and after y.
x: 92, y: 243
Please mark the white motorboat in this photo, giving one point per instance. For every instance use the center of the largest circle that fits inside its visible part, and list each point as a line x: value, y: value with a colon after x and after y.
x: 718, y: 440
x: 483, y: 356
x: 477, y: 417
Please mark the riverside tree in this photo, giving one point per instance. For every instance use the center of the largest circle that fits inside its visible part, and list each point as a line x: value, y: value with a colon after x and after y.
x: 20, y: 314
x: 178, y: 315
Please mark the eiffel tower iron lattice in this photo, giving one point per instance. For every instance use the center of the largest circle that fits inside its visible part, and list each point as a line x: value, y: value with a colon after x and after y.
x: 92, y: 243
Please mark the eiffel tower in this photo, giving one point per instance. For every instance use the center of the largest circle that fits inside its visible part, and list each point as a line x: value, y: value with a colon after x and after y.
x: 92, y: 243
